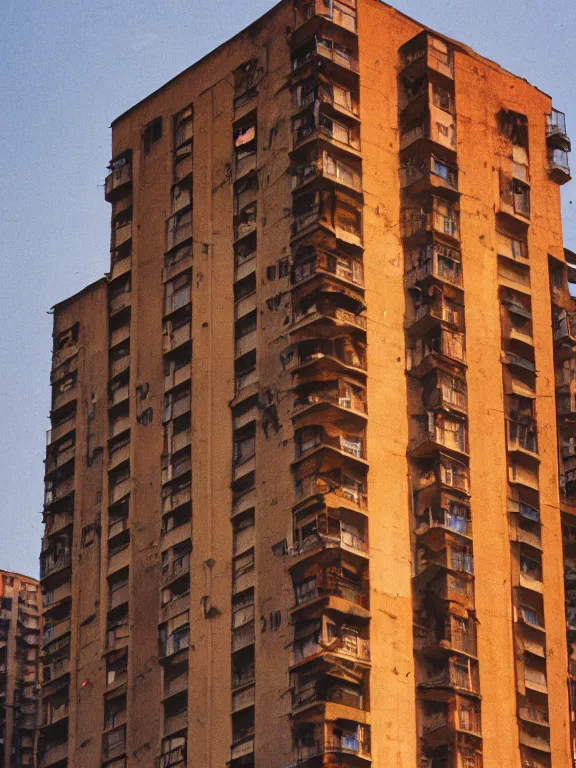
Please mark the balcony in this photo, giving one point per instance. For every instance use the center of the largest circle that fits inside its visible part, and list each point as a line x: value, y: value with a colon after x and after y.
x: 347, y: 643
x: 330, y: 583
x: 456, y: 675
x: 558, y: 165
x: 120, y: 300
x: 325, y: 165
x: 446, y: 586
x: 121, y: 234
x: 452, y: 518
x: 442, y: 220
x: 556, y: 134
x: 341, y: 56
x: 315, y: 439
x: 345, y: 353
x: 307, y: 543
x: 523, y: 437
x: 320, y: 397
x: 313, y: 13
x: 324, y: 314
x: 427, y: 175
x: 459, y: 636
x: 51, y: 562
x: 178, y: 567
x: 118, y: 179
x: 426, y: 54
x: 435, y: 432
x: 243, y: 637
x: 311, y: 263
x: 432, y: 310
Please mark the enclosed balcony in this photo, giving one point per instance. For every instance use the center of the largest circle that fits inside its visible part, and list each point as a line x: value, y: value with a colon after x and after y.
x: 426, y: 54
x: 432, y: 262
x: 55, y: 557
x: 434, y: 308
x: 341, y: 586
x: 556, y: 134
x: 311, y: 13
x: 450, y: 634
x: 311, y: 263
x: 331, y: 210
x: 453, y: 674
x: 449, y: 554
x: 326, y: 682
x: 426, y: 174
x: 316, y: 439
x: 332, y: 741
x: 522, y: 437
x: 119, y: 179
x: 332, y: 47
x: 447, y: 515
x: 558, y: 165
x: 445, y: 391
x: 121, y: 234
x: 327, y: 96
x: 325, y: 529
x: 322, y: 396
x: 311, y: 125
x: 436, y: 432
x: 318, y: 164
x: 443, y: 586
x: 327, y: 314
x: 439, y: 217
x: 516, y: 319
x: 335, y: 487
x: 173, y: 753
x: 443, y: 721
x: 326, y: 635
x: 344, y: 353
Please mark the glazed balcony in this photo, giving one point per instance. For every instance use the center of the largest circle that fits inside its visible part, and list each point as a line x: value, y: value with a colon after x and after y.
x: 556, y: 134
x: 328, y: 584
x: 324, y: 314
x: 334, y: 487
x: 558, y: 165
x: 459, y: 636
x: 426, y: 54
x: 443, y: 220
x: 523, y: 437
x: 311, y: 263
x: 324, y: 532
x: 320, y: 689
x: 326, y: 48
x: 456, y: 559
x: 311, y: 128
x: 333, y: 748
x: 312, y: 14
x: 445, y: 391
x: 452, y: 675
x: 427, y: 175
x: 436, y: 433
x: 429, y: 312
x: 343, y: 641
x: 330, y: 98
x: 456, y: 587
x: 345, y: 354
x: 313, y: 439
x: 328, y: 209
x: 326, y: 166
x: 321, y: 396
x: 435, y: 521
x: 436, y: 348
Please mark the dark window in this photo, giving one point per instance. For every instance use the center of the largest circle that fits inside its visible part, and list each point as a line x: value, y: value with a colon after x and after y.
x: 152, y: 134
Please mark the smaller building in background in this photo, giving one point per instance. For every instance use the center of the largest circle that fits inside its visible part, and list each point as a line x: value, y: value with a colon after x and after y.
x: 19, y: 672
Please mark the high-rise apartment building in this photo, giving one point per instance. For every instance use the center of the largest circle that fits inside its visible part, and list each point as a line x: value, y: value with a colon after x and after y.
x: 304, y: 500
x: 19, y: 671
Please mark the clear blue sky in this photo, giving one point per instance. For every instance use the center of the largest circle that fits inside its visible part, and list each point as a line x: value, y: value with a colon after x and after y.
x: 67, y: 70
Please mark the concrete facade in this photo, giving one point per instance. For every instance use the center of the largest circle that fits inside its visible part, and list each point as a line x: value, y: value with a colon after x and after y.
x: 302, y: 483
x: 19, y: 668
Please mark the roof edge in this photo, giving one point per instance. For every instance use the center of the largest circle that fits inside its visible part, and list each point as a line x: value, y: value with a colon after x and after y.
x: 87, y: 289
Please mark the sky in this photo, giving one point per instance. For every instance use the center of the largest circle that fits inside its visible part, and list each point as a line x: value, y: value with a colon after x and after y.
x: 67, y: 70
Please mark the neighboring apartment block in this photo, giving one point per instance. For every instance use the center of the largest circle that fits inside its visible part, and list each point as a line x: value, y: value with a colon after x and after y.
x: 19, y: 670
x: 303, y: 495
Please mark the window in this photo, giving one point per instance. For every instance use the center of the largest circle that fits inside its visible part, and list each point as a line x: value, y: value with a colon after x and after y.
x: 183, y: 127
x: 151, y: 134
x: 442, y: 98
x: 271, y: 272
x: 283, y: 267
x: 246, y: 79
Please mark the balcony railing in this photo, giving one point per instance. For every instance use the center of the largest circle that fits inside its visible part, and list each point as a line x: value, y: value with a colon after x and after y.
x: 434, y: 264
x: 556, y: 124
x: 345, y: 539
x: 117, y: 179
x: 350, y: 270
x: 336, y: 314
x: 452, y: 438
x: 330, y: 585
x: 328, y: 49
x: 51, y: 563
